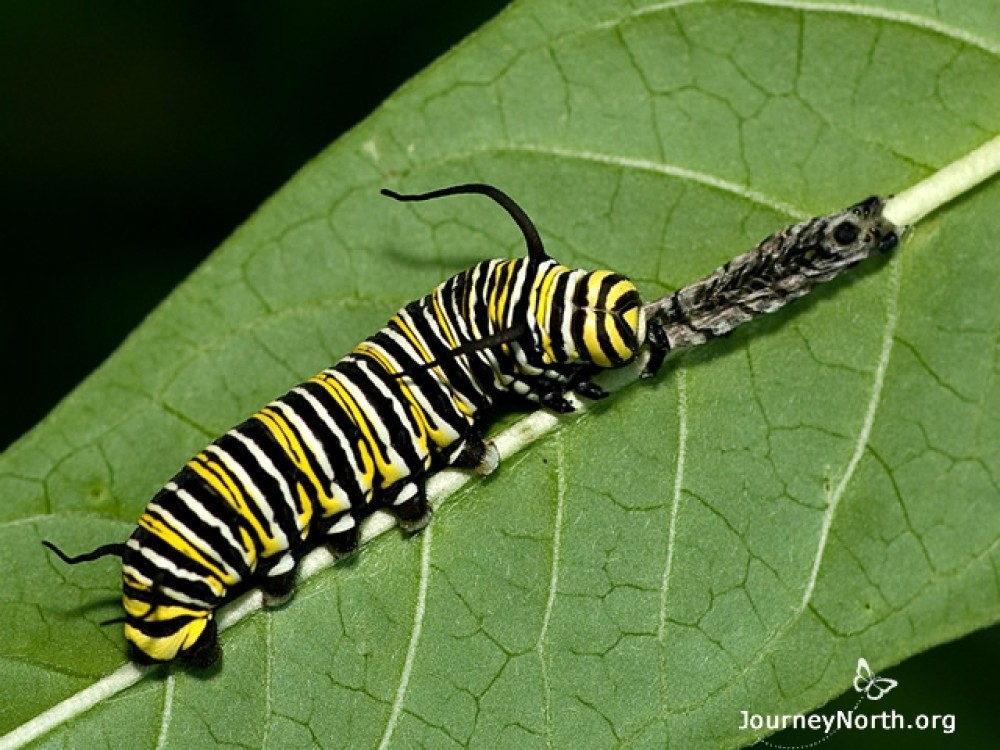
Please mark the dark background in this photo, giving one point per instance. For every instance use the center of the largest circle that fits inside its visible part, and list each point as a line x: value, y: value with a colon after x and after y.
x: 134, y: 137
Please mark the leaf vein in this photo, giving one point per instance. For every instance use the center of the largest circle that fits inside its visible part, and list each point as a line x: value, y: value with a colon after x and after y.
x: 411, y: 650
x: 553, y: 586
x: 888, y: 339
x: 862, y: 11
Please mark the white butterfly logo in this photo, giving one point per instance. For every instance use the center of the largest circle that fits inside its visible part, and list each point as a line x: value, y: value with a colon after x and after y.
x: 873, y: 686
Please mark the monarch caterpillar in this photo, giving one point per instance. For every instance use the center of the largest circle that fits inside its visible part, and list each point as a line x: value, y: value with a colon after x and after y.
x: 365, y: 434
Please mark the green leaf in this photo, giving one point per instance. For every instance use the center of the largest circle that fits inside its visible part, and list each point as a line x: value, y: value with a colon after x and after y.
x: 821, y: 486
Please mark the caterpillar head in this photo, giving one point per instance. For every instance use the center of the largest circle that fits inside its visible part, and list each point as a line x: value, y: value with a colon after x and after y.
x: 607, y: 320
x: 590, y: 316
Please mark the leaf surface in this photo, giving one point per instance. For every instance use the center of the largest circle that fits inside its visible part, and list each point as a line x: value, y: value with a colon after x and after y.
x: 820, y: 486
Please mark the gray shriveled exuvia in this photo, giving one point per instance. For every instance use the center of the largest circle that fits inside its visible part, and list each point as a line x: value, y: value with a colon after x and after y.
x: 783, y: 267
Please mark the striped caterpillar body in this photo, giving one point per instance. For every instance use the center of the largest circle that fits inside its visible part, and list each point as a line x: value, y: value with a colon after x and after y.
x: 410, y: 400
x: 366, y: 434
